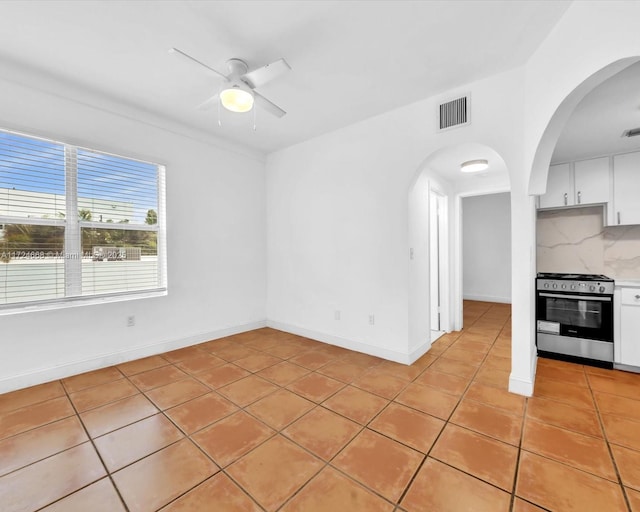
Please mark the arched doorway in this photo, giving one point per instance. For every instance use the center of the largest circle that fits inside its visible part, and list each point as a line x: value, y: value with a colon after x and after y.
x: 439, y: 179
x: 524, y: 348
x: 551, y: 134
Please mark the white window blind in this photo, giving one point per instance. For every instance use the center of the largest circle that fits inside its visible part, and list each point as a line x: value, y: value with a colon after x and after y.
x: 77, y: 223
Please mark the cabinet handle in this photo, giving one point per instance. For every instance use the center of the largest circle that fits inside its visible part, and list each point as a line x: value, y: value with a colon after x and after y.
x: 565, y: 199
x: 618, y: 217
x: 579, y: 200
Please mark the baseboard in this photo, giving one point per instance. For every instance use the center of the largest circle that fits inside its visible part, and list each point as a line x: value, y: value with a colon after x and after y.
x: 487, y: 298
x: 391, y: 355
x: 626, y: 368
x: 48, y: 374
x: 419, y: 351
x: 522, y: 386
x: 436, y: 335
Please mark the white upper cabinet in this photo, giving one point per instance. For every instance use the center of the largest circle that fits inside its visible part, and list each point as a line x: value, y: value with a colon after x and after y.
x: 626, y: 189
x: 559, y: 187
x: 583, y: 182
x: 592, y: 181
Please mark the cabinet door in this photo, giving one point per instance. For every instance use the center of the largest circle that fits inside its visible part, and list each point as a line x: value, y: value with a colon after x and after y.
x: 629, y: 340
x: 559, y: 187
x: 591, y: 179
x: 626, y: 188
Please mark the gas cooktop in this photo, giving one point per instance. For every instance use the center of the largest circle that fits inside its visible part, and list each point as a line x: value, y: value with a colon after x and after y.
x: 573, y: 277
x: 574, y: 283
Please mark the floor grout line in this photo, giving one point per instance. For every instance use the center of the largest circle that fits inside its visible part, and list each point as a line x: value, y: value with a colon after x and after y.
x: 608, y: 444
x: 446, y: 421
x: 366, y: 425
x: 95, y: 448
x: 515, y: 476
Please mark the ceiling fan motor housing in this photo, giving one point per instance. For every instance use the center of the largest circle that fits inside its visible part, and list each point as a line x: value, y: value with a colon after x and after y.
x: 237, y: 68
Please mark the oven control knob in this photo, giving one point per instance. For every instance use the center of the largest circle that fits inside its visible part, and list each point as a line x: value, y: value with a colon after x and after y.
x: 592, y: 288
x: 601, y: 289
x: 564, y: 286
x: 546, y: 285
x: 573, y: 286
x: 555, y: 285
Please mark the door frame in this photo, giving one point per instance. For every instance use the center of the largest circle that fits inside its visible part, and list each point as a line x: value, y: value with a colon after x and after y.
x: 439, y: 200
x: 457, y: 256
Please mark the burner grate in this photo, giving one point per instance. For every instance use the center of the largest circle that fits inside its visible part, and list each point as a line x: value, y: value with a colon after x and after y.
x: 573, y: 277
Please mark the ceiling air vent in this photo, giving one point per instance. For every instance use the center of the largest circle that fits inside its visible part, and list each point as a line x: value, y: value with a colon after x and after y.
x: 454, y: 113
x: 633, y: 132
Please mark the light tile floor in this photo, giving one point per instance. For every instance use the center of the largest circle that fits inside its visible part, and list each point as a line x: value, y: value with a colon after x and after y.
x: 267, y: 421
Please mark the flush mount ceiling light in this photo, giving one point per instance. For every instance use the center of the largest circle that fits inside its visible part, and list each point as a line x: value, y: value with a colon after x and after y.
x: 236, y: 99
x: 474, y: 165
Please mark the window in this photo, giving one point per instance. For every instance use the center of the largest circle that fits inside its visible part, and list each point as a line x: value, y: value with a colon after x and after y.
x: 77, y: 223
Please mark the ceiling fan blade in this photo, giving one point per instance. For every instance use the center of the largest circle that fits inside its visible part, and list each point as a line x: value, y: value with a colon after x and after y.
x: 270, y: 107
x: 207, y: 104
x: 175, y: 51
x: 261, y: 76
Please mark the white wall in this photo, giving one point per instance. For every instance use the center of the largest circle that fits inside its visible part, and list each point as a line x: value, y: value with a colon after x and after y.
x: 334, y: 244
x: 337, y: 212
x: 338, y: 226
x: 486, y: 247
x: 372, y: 163
x: 215, y: 234
x: 419, y: 336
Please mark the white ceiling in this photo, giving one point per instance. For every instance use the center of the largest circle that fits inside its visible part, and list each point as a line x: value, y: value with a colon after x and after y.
x: 595, y: 128
x: 350, y: 60
x: 446, y: 162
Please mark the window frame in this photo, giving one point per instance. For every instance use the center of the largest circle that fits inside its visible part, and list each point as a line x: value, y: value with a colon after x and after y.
x: 73, y: 226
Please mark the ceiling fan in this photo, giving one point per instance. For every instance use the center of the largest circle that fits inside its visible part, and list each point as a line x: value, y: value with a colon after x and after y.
x: 237, y: 92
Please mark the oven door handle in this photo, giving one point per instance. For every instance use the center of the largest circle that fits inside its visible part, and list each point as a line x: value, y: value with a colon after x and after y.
x: 578, y: 297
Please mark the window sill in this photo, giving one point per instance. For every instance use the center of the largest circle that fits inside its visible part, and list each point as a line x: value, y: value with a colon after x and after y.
x: 31, y: 307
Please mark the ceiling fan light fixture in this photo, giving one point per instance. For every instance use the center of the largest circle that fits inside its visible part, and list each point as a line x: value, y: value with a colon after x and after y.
x: 236, y: 99
x: 474, y: 165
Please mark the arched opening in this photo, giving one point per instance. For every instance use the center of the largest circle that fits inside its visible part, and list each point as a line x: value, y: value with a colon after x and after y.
x: 435, y: 273
x: 550, y: 136
x: 559, y: 147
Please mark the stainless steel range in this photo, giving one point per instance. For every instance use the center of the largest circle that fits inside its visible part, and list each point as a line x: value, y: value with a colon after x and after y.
x: 574, y: 314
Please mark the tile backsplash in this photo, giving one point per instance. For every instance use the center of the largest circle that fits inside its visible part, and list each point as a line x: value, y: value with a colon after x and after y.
x: 574, y: 240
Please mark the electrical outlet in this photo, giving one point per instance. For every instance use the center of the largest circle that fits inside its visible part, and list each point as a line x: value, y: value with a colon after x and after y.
x: 131, y: 321
x: 336, y: 314
x: 372, y: 319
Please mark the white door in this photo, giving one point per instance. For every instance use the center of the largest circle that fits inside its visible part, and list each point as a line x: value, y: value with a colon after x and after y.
x: 629, y: 326
x: 435, y: 235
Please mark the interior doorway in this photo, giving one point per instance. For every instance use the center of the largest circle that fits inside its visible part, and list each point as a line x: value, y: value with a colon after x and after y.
x: 435, y: 237
x: 486, y: 247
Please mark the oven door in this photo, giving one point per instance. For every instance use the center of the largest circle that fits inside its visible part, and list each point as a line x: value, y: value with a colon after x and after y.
x: 577, y: 316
